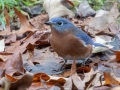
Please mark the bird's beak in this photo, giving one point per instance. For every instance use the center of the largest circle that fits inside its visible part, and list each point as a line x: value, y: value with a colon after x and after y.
x: 48, y: 23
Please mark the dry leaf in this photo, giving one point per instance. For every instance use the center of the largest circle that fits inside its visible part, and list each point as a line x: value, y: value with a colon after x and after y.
x: 5, y: 83
x: 30, y: 49
x: 109, y: 80
x: 56, y: 9
x: 102, y: 22
x: 2, y: 68
x: 23, y: 83
x: 25, y: 25
x: 11, y: 38
x: 2, y: 45
x: 15, y: 64
x: 117, y: 53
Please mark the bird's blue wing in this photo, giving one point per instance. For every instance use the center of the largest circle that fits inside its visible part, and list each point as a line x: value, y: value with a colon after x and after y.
x: 83, y: 36
x: 87, y: 39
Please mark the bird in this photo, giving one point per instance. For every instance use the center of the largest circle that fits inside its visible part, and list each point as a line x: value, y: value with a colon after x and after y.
x: 69, y: 41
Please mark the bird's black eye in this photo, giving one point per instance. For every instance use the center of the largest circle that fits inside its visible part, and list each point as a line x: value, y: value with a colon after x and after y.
x: 60, y: 23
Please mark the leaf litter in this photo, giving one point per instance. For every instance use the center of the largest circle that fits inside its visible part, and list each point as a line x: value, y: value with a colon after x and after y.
x: 27, y: 61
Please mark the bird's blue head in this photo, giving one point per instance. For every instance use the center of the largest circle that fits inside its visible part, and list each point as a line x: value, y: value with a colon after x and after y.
x: 60, y: 24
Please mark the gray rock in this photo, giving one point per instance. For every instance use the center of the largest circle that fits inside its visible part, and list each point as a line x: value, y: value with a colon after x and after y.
x: 32, y: 11
x: 100, y: 13
x: 85, y: 10
x: 107, y: 5
x: 118, y: 1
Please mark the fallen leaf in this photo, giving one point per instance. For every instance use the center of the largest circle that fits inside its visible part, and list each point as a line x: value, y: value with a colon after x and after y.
x: 56, y: 87
x: 23, y: 83
x: 2, y: 45
x: 30, y: 49
x: 25, y: 25
x: 109, y: 80
x: 5, y: 83
x: 103, y: 22
x: 37, y: 77
x: 84, y: 69
x: 74, y: 79
x: 15, y: 64
x: 38, y: 22
x: 60, y: 81
x: 61, y: 10
x: 116, y: 88
x: 2, y: 68
x: 11, y: 38
x: 102, y: 88
x: 117, y: 53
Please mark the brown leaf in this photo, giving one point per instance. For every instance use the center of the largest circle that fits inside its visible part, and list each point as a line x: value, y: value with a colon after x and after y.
x: 84, y: 69
x: 15, y: 64
x: 2, y: 68
x: 5, y: 83
x: 102, y: 22
x: 13, y: 47
x: 20, y: 46
x: 44, y: 38
x: 23, y: 83
x: 30, y: 49
x: 61, y: 81
x: 117, y: 53
x: 25, y: 25
x: 5, y: 53
x: 11, y: 38
x: 38, y: 22
x: 109, y: 80
x: 12, y: 79
x: 36, y: 86
x: 40, y: 75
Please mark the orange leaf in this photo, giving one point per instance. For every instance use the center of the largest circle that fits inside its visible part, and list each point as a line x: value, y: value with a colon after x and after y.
x: 84, y: 69
x: 70, y: 2
x: 117, y: 53
x: 25, y: 25
x: 11, y: 78
x: 37, y: 77
x: 61, y: 81
x: 109, y: 80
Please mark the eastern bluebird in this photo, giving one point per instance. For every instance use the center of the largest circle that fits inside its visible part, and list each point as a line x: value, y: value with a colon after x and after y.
x: 70, y: 42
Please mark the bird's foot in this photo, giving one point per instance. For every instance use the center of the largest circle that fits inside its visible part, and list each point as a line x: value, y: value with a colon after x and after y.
x: 62, y: 67
x: 84, y: 62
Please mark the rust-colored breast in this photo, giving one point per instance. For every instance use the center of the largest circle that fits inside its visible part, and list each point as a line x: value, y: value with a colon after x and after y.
x: 68, y: 46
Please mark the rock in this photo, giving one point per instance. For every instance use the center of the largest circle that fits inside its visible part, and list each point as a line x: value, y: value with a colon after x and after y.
x: 1, y: 28
x: 85, y: 10
x: 107, y: 5
x: 100, y: 13
x: 33, y: 10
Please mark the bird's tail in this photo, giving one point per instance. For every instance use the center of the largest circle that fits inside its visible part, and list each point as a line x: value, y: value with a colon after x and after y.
x: 100, y: 47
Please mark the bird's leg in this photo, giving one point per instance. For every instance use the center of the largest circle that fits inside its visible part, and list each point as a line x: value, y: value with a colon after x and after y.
x: 65, y: 61
x: 85, y: 61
